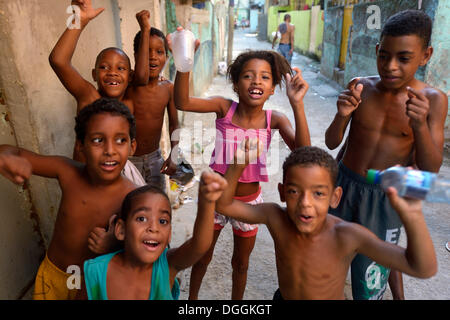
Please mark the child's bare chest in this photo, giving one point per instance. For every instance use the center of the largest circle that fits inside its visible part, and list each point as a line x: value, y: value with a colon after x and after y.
x: 383, y: 116
x: 314, y: 270
x: 89, y: 208
x: 150, y: 103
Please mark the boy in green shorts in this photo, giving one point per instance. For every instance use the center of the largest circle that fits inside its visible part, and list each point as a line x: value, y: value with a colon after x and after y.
x: 395, y: 119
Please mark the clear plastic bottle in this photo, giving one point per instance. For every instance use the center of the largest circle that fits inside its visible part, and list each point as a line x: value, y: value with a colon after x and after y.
x: 411, y: 183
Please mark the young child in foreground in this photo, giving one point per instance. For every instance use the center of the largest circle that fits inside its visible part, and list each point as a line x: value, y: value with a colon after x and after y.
x: 254, y: 76
x: 313, y: 248
x: 145, y: 269
x: 92, y: 192
x: 394, y: 119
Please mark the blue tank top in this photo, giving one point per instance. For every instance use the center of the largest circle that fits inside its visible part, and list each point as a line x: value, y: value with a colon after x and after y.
x: 95, y: 271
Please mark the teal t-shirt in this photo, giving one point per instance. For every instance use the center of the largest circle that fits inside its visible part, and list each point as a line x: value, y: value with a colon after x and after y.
x: 95, y: 271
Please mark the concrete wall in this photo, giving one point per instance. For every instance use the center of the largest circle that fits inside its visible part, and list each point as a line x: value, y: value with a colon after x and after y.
x: 208, y: 25
x: 315, y: 25
x: 272, y: 21
x: 21, y: 246
x: 437, y: 72
x: 331, y: 40
x: 40, y: 115
x: 262, y: 26
x: 205, y: 66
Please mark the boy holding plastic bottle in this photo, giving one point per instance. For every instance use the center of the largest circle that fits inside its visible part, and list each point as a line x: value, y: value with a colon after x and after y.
x: 314, y: 249
x: 395, y: 119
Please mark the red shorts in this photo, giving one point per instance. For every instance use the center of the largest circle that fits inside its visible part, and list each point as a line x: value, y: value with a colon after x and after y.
x: 240, y: 229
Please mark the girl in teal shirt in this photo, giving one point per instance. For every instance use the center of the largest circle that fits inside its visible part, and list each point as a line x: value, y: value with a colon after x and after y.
x: 146, y: 268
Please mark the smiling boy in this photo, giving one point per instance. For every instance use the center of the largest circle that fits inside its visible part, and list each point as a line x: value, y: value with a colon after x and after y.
x: 112, y: 71
x: 313, y: 249
x: 91, y: 192
x: 395, y: 119
x: 150, y: 100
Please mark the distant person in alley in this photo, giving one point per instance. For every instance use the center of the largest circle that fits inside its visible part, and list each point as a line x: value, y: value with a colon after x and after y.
x: 286, y: 46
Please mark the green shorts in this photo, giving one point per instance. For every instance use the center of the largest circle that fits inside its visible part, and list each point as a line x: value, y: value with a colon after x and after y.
x: 368, y: 205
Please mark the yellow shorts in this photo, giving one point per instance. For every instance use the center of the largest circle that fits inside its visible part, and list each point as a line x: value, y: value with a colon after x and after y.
x: 51, y: 283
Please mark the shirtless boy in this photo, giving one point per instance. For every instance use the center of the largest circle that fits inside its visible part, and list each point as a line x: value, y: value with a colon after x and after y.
x: 150, y: 102
x: 314, y: 249
x: 286, y: 45
x: 112, y: 71
x: 91, y: 192
x: 395, y: 119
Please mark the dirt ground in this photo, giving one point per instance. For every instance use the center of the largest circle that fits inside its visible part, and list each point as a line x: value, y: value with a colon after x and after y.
x: 320, y: 103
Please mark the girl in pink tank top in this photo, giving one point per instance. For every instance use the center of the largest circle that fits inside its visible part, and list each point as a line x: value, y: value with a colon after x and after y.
x: 254, y: 75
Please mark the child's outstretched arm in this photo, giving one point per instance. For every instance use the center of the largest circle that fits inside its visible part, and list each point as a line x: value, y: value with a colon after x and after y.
x: 17, y: 164
x: 419, y: 257
x: 247, y: 152
x: 347, y: 103
x: 210, y: 189
x: 183, y: 101
x: 61, y: 56
x: 141, y: 69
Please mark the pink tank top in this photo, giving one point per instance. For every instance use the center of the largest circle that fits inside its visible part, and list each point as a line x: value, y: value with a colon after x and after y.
x: 228, y: 138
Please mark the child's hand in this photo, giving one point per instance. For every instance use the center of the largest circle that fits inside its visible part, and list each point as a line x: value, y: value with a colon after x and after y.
x: 417, y: 108
x: 15, y: 168
x: 296, y: 87
x: 169, y: 40
x: 102, y: 241
x: 87, y: 12
x: 404, y: 206
x: 350, y: 99
x: 168, y: 166
x: 143, y: 17
x: 211, y: 186
x: 248, y: 151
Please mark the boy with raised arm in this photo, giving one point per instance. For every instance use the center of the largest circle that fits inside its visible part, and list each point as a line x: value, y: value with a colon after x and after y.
x: 112, y: 71
x: 92, y: 192
x: 150, y: 100
x: 314, y: 249
x: 395, y: 119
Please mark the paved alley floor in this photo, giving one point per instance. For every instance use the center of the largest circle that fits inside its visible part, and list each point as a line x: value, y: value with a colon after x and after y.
x: 320, y: 108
